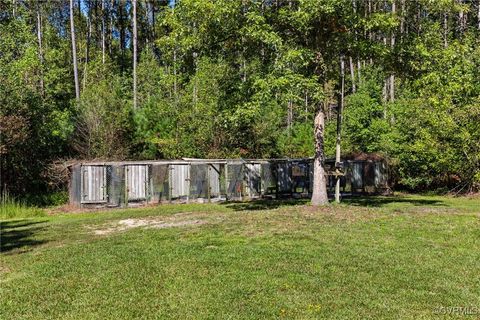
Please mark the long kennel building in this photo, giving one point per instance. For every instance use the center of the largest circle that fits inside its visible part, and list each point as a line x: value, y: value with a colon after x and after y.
x: 134, y: 183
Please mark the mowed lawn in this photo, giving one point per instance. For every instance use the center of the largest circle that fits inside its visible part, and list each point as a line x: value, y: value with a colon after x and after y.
x: 383, y: 257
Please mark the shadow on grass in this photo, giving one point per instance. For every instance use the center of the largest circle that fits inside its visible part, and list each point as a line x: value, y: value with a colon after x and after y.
x: 16, y: 234
x: 264, y: 204
x: 361, y: 201
x: 380, y: 201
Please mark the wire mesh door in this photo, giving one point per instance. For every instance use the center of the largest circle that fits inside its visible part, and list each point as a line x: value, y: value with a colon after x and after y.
x: 357, y: 176
x: 94, y: 184
x: 284, y: 178
x: 300, y: 177
x: 179, y: 181
x: 136, y: 182
x: 253, y: 178
x: 159, y: 177
x: 235, y: 181
x: 216, y: 176
x: 269, y: 183
x: 198, y: 181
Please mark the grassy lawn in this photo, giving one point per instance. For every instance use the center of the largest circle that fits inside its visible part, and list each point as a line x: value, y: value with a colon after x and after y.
x: 382, y: 257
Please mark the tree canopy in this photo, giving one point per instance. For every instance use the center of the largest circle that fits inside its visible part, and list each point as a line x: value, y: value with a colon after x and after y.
x: 243, y: 78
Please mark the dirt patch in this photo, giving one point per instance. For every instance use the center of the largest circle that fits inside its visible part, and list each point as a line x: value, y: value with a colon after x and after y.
x: 4, y: 269
x: 156, y: 223
x: 432, y: 210
x: 68, y: 208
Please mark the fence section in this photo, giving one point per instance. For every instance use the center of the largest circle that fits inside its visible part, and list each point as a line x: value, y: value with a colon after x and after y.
x: 129, y: 183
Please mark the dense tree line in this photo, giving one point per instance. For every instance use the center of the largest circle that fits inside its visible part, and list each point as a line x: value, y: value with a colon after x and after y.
x: 118, y: 79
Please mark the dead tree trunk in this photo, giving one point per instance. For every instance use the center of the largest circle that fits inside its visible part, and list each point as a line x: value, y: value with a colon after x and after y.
x: 74, y: 53
x: 319, y: 194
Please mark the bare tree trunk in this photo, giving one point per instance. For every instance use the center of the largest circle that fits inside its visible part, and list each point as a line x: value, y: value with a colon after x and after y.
x: 87, y: 49
x: 175, y: 73
x: 122, y: 33
x: 306, y: 105
x: 339, y: 125
x: 153, y: 20
x: 369, y: 14
x: 103, y: 31
x: 359, y: 67
x: 352, y: 65
x: 352, y: 74
x: 110, y: 33
x: 461, y: 19
x: 74, y: 52
x: 319, y: 192
x: 419, y: 21
x: 387, y: 80
x: 385, y: 90
x: 392, y: 46
x: 289, y: 116
x: 134, y: 2
x: 195, y: 80
x: 40, y: 47
x: 402, y: 20
x: 478, y: 14
x: 445, y: 30
x: 89, y: 30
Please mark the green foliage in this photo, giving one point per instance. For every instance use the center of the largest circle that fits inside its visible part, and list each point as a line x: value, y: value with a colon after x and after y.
x: 297, y: 142
x: 104, y: 116
x: 241, y: 79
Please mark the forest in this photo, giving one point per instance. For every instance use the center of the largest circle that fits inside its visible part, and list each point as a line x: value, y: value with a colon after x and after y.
x: 166, y: 79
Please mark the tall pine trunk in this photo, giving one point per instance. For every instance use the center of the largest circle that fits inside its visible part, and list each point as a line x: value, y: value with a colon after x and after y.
x: 352, y: 74
x: 74, y: 52
x: 87, y: 48
x: 392, y: 46
x: 134, y: 2
x: 40, y: 47
x: 122, y: 34
x: 103, y: 31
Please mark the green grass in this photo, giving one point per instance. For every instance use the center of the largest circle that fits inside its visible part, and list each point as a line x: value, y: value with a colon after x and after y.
x: 11, y: 208
x: 381, y: 257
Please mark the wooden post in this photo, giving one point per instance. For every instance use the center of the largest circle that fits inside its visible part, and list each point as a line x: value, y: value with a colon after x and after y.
x: 208, y: 181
